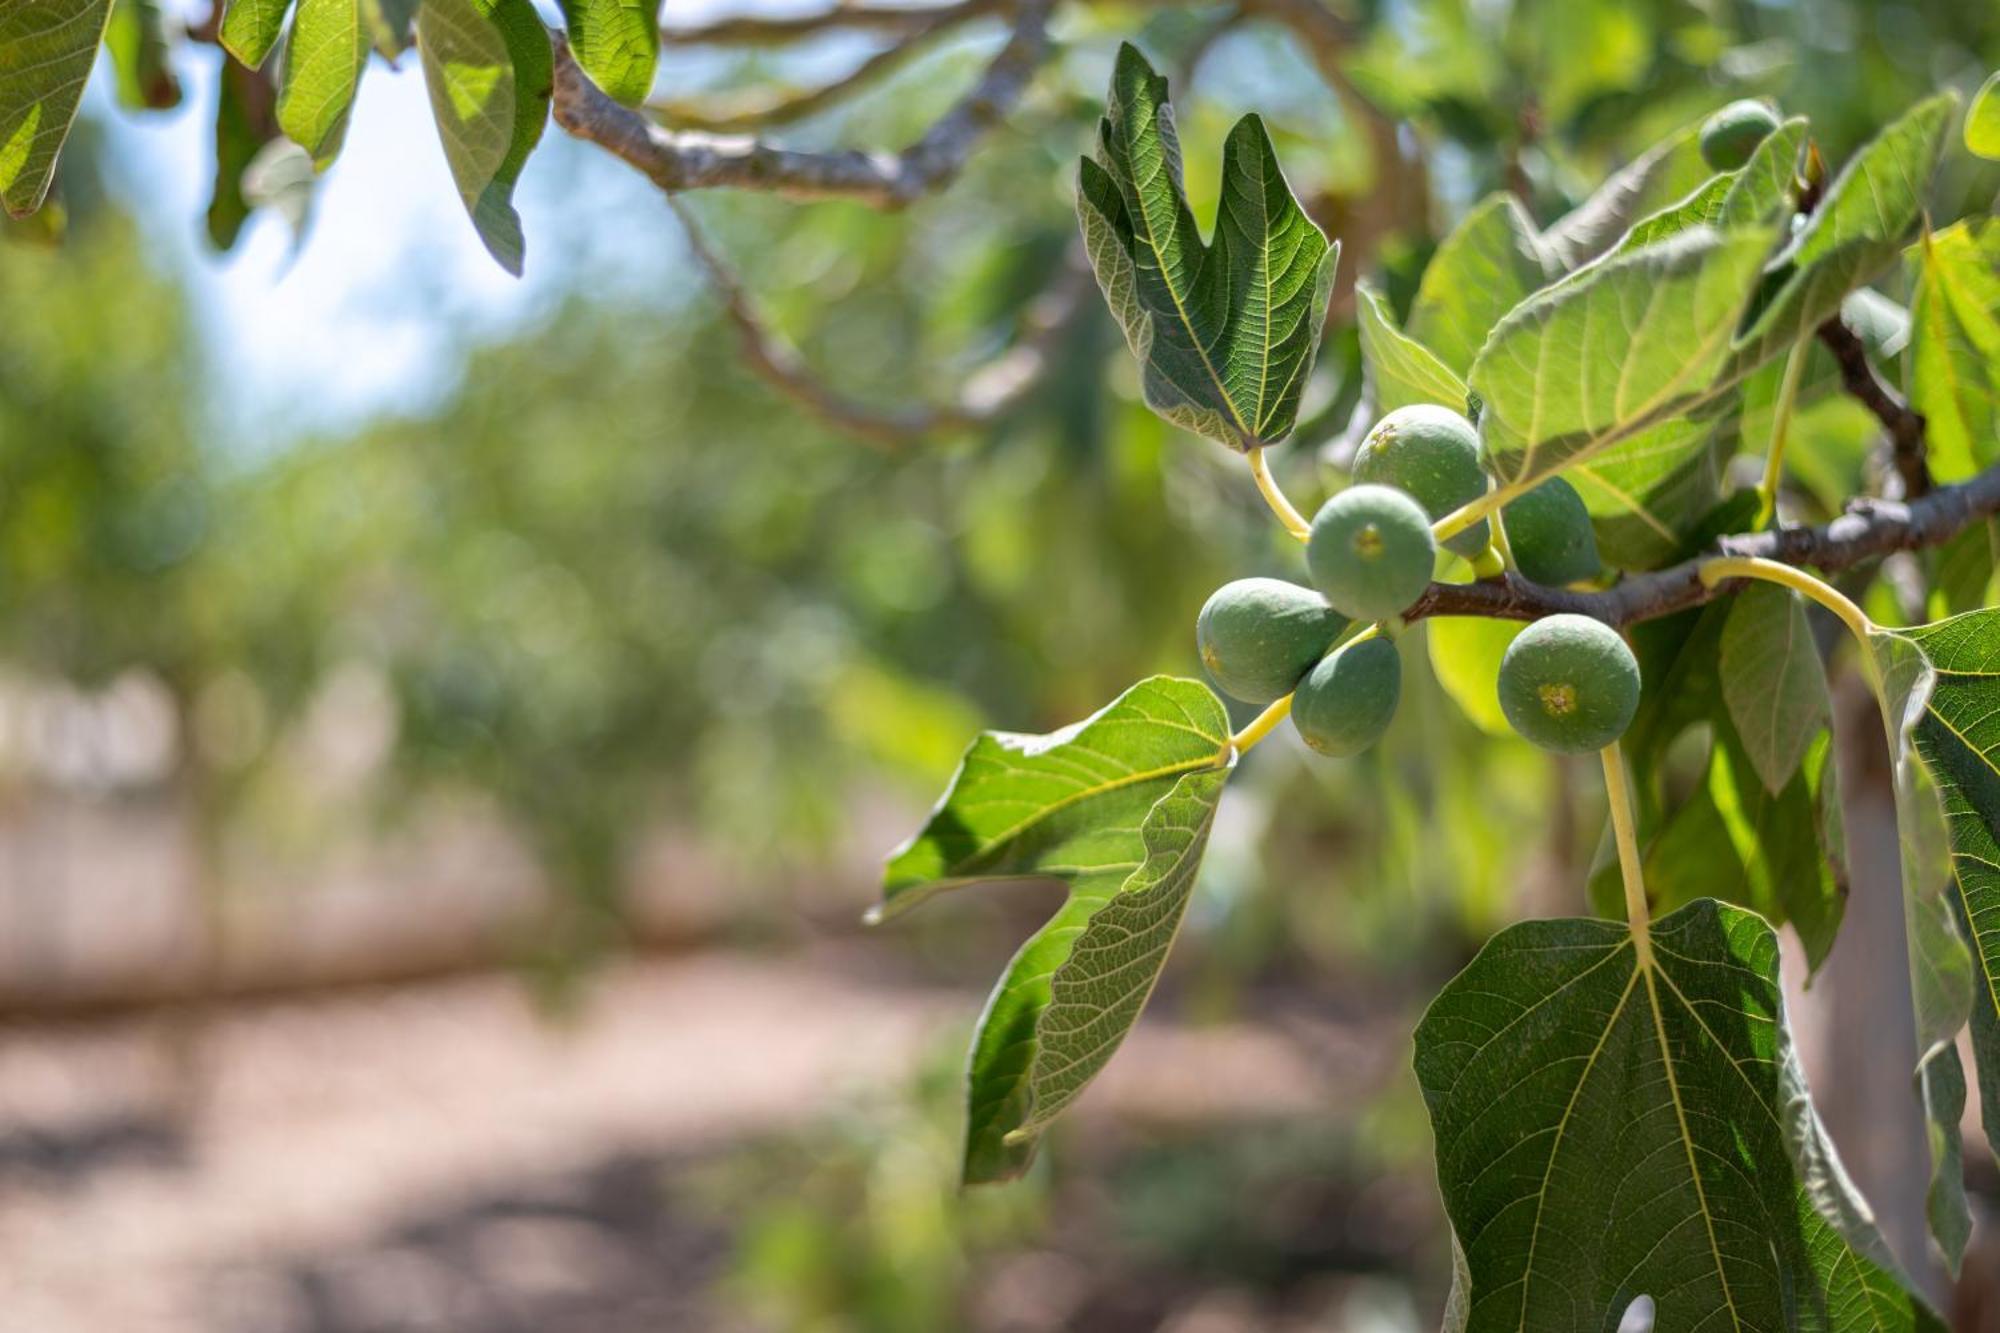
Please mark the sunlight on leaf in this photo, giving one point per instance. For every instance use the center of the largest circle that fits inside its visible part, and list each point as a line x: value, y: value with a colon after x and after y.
x: 46, y: 50
x: 1117, y: 807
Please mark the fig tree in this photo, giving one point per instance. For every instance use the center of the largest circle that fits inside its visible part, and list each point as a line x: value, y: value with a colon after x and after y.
x: 1433, y: 453
x: 1730, y: 135
x: 1569, y: 684
x: 1549, y: 532
x: 1371, y: 551
x: 1257, y: 637
x: 1347, y: 701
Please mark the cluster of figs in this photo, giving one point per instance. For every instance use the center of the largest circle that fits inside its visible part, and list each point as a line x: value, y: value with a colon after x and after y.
x: 1568, y: 683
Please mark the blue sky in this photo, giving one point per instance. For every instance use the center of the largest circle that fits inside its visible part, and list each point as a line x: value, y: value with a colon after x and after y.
x: 369, y: 313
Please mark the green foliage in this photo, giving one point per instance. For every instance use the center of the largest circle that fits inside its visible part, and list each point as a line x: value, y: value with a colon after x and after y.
x: 1569, y: 684
x: 1492, y: 261
x: 617, y: 44
x: 46, y: 50
x: 136, y: 38
x: 1731, y: 135
x: 250, y: 28
x: 1402, y: 371
x: 1955, y: 357
x: 1117, y: 807
x: 1982, y: 122
x: 1225, y: 331
x: 1549, y: 534
x: 1430, y: 453
x: 324, y: 56
x: 1620, y: 1113
x: 1465, y: 653
x: 489, y: 69
x: 1349, y: 699
x: 1371, y: 551
x: 1772, y: 681
x: 1257, y: 637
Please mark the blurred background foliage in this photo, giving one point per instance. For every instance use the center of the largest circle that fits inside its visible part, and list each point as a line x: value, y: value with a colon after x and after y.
x: 605, y: 582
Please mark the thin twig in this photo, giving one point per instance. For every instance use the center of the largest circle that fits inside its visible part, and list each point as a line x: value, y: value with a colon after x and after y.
x: 782, y: 30
x: 772, y: 111
x: 677, y: 161
x: 989, y: 392
x: 1871, y: 529
x: 1904, y: 424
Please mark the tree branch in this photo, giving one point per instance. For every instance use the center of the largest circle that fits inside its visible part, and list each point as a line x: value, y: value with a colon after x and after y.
x: 693, y: 161
x: 988, y: 393
x: 1871, y: 529
x: 1905, y: 426
x: 889, y: 20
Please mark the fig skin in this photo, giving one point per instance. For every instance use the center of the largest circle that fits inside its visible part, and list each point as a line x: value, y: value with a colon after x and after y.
x: 1548, y: 531
x: 1347, y: 701
x: 1371, y: 552
x: 1258, y: 637
x: 1569, y: 684
x: 1432, y: 453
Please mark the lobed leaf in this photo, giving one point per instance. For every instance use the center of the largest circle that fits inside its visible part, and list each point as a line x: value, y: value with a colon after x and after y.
x: 1622, y: 1114
x: 617, y: 43
x: 46, y: 50
x: 490, y: 70
x: 1117, y: 807
x: 1615, y: 349
x: 324, y: 57
x: 1224, y: 332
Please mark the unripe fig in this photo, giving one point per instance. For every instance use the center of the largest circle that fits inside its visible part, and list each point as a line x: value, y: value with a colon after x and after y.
x: 1371, y: 552
x: 1347, y: 701
x: 1569, y: 684
x: 1730, y: 135
x: 1549, y: 532
x: 1257, y: 637
x: 1433, y: 453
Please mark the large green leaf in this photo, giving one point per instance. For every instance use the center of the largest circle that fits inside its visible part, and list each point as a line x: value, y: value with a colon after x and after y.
x: 46, y: 50
x: 324, y: 57
x: 1944, y: 971
x: 1772, y: 680
x: 1615, y: 349
x: 1401, y: 369
x: 1647, y: 494
x: 617, y: 43
x: 490, y: 70
x: 1956, y: 730
x: 1224, y: 332
x: 1491, y: 262
x: 1856, y: 231
x: 1955, y: 346
x: 1753, y: 193
x: 1118, y: 807
x: 1622, y: 1114
x: 250, y: 28
x: 1465, y: 653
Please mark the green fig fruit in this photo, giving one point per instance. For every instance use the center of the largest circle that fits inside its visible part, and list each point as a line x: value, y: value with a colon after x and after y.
x: 1371, y: 552
x: 1569, y: 684
x: 1549, y: 532
x: 1347, y: 701
x: 1257, y: 637
x: 1432, y: 453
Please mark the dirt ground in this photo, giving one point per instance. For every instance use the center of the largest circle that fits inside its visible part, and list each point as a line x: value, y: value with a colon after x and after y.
x: 442, y: 1157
